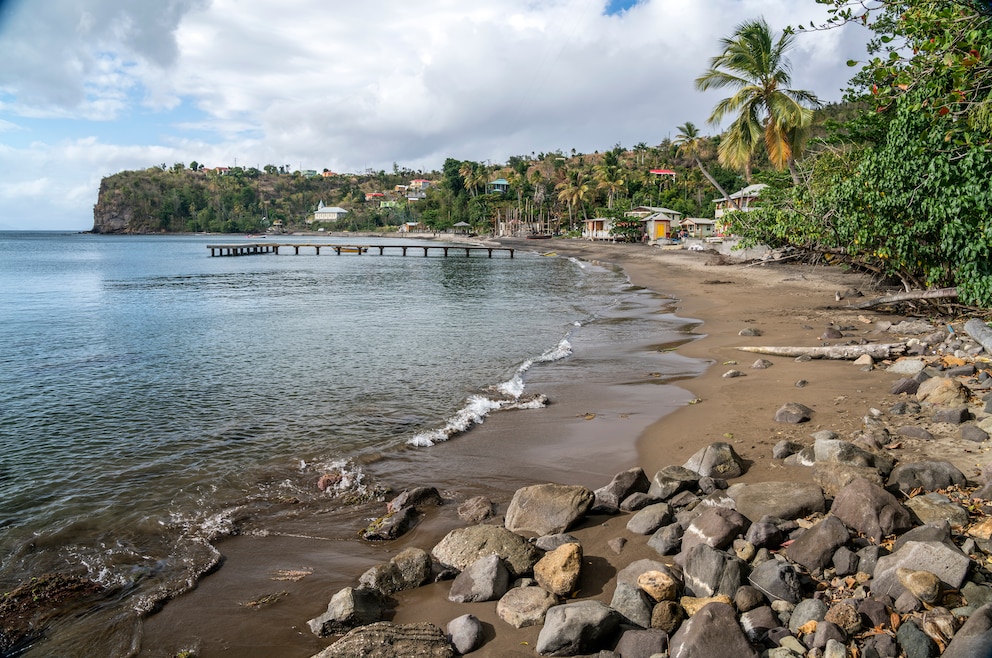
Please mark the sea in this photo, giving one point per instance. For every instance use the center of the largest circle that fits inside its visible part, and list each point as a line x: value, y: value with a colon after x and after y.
x: 155, y: 399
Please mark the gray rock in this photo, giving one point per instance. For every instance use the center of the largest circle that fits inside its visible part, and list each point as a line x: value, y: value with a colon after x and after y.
x: 939, y: 532
x: 463, y: 546
x: 814, y: 549
x: 947, y: 563
x: 577, y: 628
x: 914, y: 432
x: 649, y: 519
x: 387, y: 640
x: 486, y: 579
x: 875, y: 612
x: 748, y: 597
x: 784, y: 500
x: 954, y: 416
x: 974, y: 638
x: 935, y: 507
x: 629, y: 574
x: 667, y: 540
x: 794, y: 413
x: 868, y: 558
x: 347, y: 609
x: 551, y: 542
x: 642, y: 643
x: 926, y: 475
x: 715, y: 526
x: 907, y: 367
x: 475, y: 510
x: 883, y: 646
x: 672, y: 479
x: 525, y: 606
x: 620, y: 487
x: 977, y: 595
x: 465, y: 633
x: 974, y: 433
x: 832, y: 476
x: 870, y: 510
x: 906, y: 385
x: 709, y: 572
x: 716, y: 460
x: 417, y: 497
x: 845, y: 561
x: 784, y: 448
x: 825, y: 633
x: 845, y: 452
x: 762, y: 364
x: 636, y: 501
x: 546, y: 509
x: 777, y: 580
x: 757, y: 622
x: 408, y: 569
x: 914, y: 642
x: 713, y: 631
x: 634, y: 604
x: 763, y: 534
x: 806, y: 611
x: 391, y: 526
x: 905, y: 407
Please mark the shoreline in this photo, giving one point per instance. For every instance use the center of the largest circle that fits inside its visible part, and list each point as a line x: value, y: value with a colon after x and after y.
x: 791, y: 304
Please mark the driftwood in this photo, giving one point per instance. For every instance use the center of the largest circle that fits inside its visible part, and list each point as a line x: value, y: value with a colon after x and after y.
x: 981, y: 332
x: 913, y: 295
x: 875, y: 351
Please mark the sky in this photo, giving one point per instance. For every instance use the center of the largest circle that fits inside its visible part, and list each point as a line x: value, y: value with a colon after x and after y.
x: 92, y: 87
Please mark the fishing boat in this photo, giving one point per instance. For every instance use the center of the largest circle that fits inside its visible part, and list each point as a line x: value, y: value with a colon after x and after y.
x: 539, y: 236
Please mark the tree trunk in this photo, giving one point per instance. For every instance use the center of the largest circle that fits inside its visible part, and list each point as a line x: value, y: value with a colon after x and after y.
x: 936, y: 293
x: 875, y: 351
x: 713, y: 182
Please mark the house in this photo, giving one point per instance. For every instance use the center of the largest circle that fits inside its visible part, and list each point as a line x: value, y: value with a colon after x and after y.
x: 740, y: 200
x: 598, y: 228
x: 327, y: 173
x: 644, y: 211
x: 698, y: 227
x: 658, y: 225
x: 498, y: 186
x: 372, y: 196
x: 419, y: 184
x: 328, y: 213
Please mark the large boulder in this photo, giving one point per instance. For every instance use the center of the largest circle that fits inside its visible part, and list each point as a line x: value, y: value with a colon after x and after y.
x: 948, y: 563
x: 465, y: 633
x: 943, y: 391
x: 558, y: 571
x: 716, y: 527
x: 417, y: 497
x: 711, y: 572
x: 486, y: 579
x: 546, y: 509
x: 463, y: 546
x: 712, y: 632
x: 778, y: 580
x: 408, y: 569
x: 845, y: 452
x: 608, y: 498
x: 814, y: 549
x: 671, y: 480
x: 717, y: 460
x: 525, y: 606
x: 634, y: 604
x: 649, y: 519
x: 871, y: 510
x: 577, y: 628
x: 926, y: 475
x: 782, y: 500
x: 974, y: 639
x: 348, y: 608
x: 387, y: 640
x: 834, y: 476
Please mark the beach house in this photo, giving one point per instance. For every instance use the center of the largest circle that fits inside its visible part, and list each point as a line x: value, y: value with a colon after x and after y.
x: 698, y: 227
x: 740, y: 200
x: 327, y: 213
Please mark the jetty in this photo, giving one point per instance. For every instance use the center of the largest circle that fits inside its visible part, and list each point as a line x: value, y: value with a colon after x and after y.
x: 260, y: 248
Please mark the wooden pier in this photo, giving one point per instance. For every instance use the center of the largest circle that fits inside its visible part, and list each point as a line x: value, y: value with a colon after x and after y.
x: 258, y: 248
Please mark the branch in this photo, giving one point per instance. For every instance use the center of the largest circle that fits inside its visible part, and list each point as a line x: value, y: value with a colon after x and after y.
x: 912, y: 295
x: 877, y: 351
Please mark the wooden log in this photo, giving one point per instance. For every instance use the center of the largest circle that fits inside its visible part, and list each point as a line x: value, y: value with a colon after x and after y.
x: 875, y: 351
x: 912, y: 295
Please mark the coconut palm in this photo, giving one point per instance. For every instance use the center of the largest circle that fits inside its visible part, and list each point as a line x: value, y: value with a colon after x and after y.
x: 689, y: 143
x: 573, y: 191
x: 753, y: 64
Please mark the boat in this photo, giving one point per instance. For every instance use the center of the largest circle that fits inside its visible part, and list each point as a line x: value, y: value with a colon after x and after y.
x: 539, y: 236
x: 353, y: 250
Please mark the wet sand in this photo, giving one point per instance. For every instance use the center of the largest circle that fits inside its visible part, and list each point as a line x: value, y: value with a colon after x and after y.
x: 791, y: 304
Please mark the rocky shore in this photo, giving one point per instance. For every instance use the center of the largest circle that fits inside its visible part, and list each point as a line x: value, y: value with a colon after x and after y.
x: 800, y: 508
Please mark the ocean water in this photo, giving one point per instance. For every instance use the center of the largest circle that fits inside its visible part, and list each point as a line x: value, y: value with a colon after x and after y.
x: 154, y: 399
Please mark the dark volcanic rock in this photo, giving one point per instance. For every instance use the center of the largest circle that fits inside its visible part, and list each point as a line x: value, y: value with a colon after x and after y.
x: 577, y: 628
x: 783, y: 500
x: 870, y: 510
x: 793, y: 412
x: 708, y: 572
x: 463, y: 546
x: 620, y: 487
x: 716, y: 526
x: 348, y: 608
x: 814, y: 549
x: 777, y: 580
x: 545, y: 509
x: 713, y: 631
x: 927, y: 475
x: 717, y: 460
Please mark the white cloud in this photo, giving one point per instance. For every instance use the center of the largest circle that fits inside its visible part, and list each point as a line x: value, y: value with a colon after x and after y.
x: 355, y: 85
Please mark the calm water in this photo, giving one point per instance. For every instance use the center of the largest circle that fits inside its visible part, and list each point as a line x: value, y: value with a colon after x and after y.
x: 153, y: 398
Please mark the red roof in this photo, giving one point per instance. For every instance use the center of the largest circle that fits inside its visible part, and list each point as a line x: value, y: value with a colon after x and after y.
x: 663, y: 172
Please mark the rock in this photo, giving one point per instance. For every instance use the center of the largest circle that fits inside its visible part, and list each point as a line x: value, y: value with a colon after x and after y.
x: 806, y: 611
x: 713, y: 631
x: 926, y: 475
x: 794, y: 413
x: 870, y: 510
x: 750, y: 331
x: 642, y: 643
x: 708, y: 571
x: 632, y: 572
x: 717, y: 460
x: 974, y: 433
x: 637, y: 501
x: 935, y: 507
x: 976, y: 595
x: 783, y: 500
x: 475, y: 510
x: 417, y: 497
x: 672, y: 479
x: 667, y: 540
x: 577, y: 628
x: 693, y: 604
x: 864, y: 360
x: 525, y: 606
x: 777, y: 580
x: 762, y: 364
x: 924, y: 585
x: 875, y: 612
x: 845, y: 616
x: 954, y: 416
x: 908, y: 367
x: 463, y: 546
x: 716, y: 526
x: 465, y: 634
x: 943, y: 391
x: 784, y: 448
x: 731, y: 374
x: 764, y: 535
x: 914, y: 642
x: 659, y: 585
x: 392, y: 525
x: 649, y: 519
x: 545, y: 509
x: 845, y: 452
x: 974, y: 639
x: 348, y: 608
x: 387, y: 640
x: 620, y: 487
x: 486, y: 579
x: 814, y: 549
x: 832, y: 477
x: 667, y: 616
x: 558, y: 571
x: 633, y: 604
x: 913, y: 432
x: 939, y: 532
x: 949, y: 564
x: 748, y: 597
x: 408, y: 569
x: 906, y: 385
x: 905, y: 407
x: 616, y: 544
x: 845, y: 561
x: 551, y: 542
x: 757, y: 622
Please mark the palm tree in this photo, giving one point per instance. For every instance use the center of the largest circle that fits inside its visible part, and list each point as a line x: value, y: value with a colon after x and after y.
x: 689, y: 143
x: 754, y: 65
x: 467, y: 172
x: 573, y: 191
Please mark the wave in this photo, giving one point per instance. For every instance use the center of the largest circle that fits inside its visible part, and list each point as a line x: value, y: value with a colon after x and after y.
x: 505, y: 395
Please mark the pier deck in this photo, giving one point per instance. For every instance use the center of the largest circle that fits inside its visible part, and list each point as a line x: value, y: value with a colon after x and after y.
x: 258, y: 248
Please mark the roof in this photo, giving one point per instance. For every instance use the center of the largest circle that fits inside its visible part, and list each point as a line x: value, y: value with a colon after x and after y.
x: 662, y: 213
x: 334, y: 209
x: 461, y: 224
x: 750, y: 190
x: 499, y: 181
x: 663, y: 172
x: 698, y: 221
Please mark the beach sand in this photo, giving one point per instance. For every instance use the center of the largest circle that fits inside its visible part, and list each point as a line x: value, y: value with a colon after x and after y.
x: 791, y: 304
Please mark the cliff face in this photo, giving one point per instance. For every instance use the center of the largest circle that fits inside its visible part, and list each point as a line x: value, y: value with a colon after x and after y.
x: 112, y: 213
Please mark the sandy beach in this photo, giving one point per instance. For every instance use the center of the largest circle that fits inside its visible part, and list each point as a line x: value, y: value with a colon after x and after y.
x: 790, y: 304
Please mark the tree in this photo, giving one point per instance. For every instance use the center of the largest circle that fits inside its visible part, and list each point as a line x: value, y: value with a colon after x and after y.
x: 689, y: 143
x: 754, y: 66
x: 573, y: 192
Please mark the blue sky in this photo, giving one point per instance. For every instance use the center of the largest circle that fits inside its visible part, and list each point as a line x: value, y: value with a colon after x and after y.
x: 92, y: 87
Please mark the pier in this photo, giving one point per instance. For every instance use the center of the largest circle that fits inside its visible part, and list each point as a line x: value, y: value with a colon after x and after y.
x: 259, y: 248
